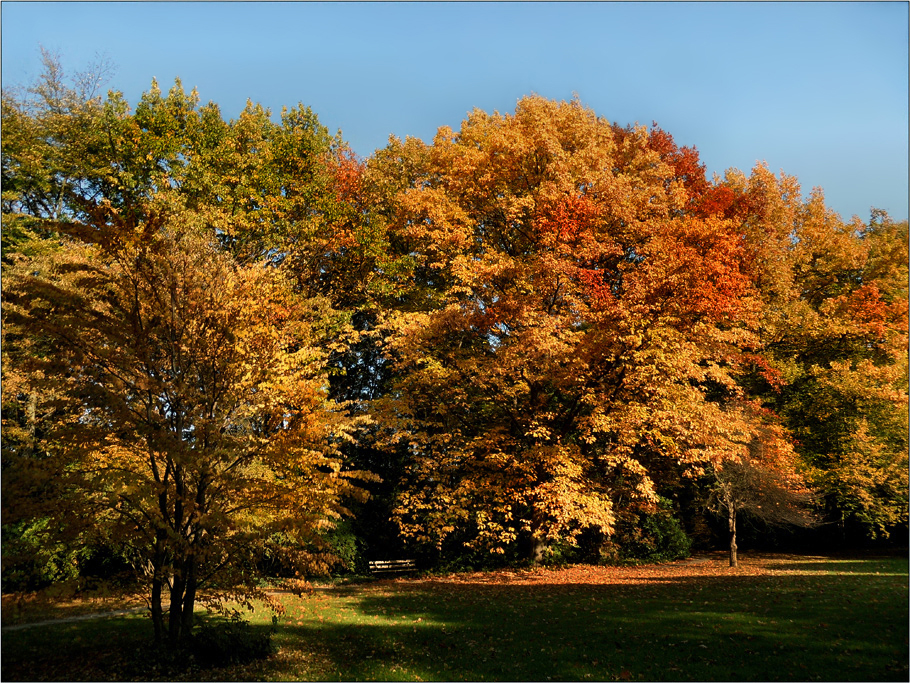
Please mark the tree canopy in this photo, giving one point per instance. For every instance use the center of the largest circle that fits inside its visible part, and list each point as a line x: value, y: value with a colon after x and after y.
x: 172, y: 383
x: 533, y: 328
x: 577, y: 316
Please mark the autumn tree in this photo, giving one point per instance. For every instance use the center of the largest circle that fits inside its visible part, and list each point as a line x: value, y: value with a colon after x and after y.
x: 549, y: 318
x: 165, y: 376
x: 570, y: 316
x: 761, y: 476
x: 266, y: 189
x: 47, y: 128
x: 833, y: 361
x: 192, y: 418
x: 285, y: 191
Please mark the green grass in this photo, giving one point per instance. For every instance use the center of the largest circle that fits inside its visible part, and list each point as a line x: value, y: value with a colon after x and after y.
x: 808, y: 619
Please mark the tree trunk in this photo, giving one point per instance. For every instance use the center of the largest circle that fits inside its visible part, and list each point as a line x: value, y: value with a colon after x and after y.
x: 538, y: 546
x: 731, y: 507
x: 158, y: 561
x: 157, y: 614
x: 189, y: 598
x: 32, y: 421
x: 175, y: 613
x: 183, y: 602
x: 536, y: 542
x: 176, y: 636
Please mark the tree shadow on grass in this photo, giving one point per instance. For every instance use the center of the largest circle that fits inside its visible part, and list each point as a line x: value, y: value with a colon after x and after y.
x: 774, y: 627
x: 717, y: 628
x: 106, y: 649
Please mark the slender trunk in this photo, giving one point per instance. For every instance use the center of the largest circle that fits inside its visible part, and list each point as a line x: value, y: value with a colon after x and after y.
x: 32, y: 420
x: 157, y: 614
x: 157, y: 586
x: 731, y: 507
x: 538, y: 546
x: 178, y: 583
x: 197, y: 537
x: 58, y: 209
x: 189, y: 598
x: 175, y: 613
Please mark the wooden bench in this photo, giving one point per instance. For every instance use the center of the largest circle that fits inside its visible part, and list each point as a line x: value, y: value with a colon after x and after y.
x: 392, y: 566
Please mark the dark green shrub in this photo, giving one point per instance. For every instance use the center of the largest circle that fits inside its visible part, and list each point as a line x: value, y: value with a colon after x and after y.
x: 280, y: 556
x: 32, y: 559
x: 347, y: 547
x: 651, y: 535
x: 103, y: 561
x: 560, y: 554
x: 223, y: 642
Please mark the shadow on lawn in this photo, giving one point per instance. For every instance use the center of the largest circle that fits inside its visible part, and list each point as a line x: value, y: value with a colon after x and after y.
x: 689, y: 628
x: 770, y: 627
x: 106, y: 649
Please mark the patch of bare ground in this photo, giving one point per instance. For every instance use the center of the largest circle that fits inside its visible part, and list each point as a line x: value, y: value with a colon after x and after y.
x: 34, y: 607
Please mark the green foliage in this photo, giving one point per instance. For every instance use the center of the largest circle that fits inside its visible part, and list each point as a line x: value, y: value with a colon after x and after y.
x: 840, y: 348
x: 33, y: 558
x: 456, y: 555
x: 651, y: 536
x: 106, y: 561
x: 347, y: 547
x: 562, y: 553
x: 229, y: 641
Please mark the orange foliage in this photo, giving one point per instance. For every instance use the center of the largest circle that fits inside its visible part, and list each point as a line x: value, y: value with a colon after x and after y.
x: 573, y: 326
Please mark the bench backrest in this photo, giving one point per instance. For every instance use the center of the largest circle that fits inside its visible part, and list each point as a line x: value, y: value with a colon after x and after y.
x: 392, y: 565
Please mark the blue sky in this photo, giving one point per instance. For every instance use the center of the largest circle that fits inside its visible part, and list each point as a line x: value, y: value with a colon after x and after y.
x: 818, y: 90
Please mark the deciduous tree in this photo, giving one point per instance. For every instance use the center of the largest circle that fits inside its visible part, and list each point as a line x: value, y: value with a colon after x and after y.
x: 833, y: 362
x: 761, y: 476
x: 573, y: 315
x: 191, y: 410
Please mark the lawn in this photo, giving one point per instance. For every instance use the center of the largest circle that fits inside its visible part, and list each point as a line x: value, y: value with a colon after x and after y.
x: 775, y: 618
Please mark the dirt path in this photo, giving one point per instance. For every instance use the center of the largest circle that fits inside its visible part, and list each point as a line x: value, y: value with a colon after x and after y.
x: 70, y: 620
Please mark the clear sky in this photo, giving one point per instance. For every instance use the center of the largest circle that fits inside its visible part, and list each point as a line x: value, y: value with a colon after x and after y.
x: 818, y: 90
